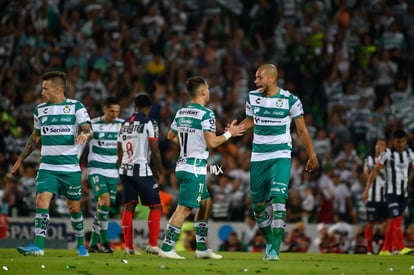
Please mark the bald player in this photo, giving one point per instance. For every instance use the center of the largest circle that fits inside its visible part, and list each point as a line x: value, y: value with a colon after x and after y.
x: 269, y: 111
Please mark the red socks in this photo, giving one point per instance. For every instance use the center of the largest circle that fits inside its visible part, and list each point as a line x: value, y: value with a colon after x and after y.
x: 127, y: 228
x: 154, y: 218
x: 368, y: 238
x: 398, y: 235
x: 388, y: 237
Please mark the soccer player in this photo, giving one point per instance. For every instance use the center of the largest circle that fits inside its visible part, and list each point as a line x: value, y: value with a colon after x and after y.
x: 397, y: 162
x: 102, y: 170
x: 56, y: 125
x: 194, y: 129
x: 269, y: 111
x: 375, y: 200
x: 137, y: 149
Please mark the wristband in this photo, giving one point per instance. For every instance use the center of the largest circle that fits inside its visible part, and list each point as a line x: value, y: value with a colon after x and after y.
x: 227, y: 135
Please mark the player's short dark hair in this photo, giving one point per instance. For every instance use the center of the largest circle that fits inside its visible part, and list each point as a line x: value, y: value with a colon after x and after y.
x: 143, y: 100
x: 58, y: 78
x: 194, y: 84
x: 111, y: 101
x: 399, y: 133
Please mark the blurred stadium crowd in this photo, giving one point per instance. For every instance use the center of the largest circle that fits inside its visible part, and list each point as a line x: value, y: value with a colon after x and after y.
x: 350, y: 62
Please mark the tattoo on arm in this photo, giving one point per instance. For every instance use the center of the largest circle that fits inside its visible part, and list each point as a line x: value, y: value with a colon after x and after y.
x: 87, y: 130
x: 30, y: 145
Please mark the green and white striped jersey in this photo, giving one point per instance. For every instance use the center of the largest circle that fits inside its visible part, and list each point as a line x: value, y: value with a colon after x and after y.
x: 58, y: 126
x: 190, y: 123
x: 272, y: 117
x: 103, y: 153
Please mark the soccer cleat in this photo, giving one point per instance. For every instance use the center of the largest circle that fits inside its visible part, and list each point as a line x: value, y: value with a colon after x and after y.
x: 128, y: 251
x: 407, y: 251
x: 207, y: 254
x: 170, y: 255
x: 82, y: 252
x: 270, y: 254
x: 106, y: 248
x: 152, y: 249
x: 384, y: 253
x: 30, y: 249
x: 93, y: 249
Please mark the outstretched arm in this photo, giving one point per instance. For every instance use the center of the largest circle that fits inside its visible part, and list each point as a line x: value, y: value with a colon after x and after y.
x: 248, y: 123
x: 85, y: 135
x: 232, y: 131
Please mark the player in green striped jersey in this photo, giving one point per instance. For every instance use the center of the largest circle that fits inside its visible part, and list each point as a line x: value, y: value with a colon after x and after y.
x: 194, y: 129
x: 102, y: 170
x: 56, y: 125
x: 269, y: 111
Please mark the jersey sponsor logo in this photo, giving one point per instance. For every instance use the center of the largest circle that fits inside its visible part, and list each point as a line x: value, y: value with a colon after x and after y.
x: 185, y: 122
x: 54, y: 130
x: 258, y: 119
x: 132, y: 128
x: 107, y: 143
x: 126, y: 166
x: 188, y: 112
x: 43, y: 120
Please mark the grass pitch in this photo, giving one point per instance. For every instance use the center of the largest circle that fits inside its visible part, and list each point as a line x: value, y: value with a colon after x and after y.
x: 66, y: 261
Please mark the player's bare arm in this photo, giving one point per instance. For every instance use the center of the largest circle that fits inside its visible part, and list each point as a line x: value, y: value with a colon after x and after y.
x: 156, y: 159
x: 233, y: 130
x: 371, y: 178
x: 304, y: 136
x: 248, y: 123
x: 120, y: 152
x: 86, y: 134
x: 173, y: 137
x: 32, y: 142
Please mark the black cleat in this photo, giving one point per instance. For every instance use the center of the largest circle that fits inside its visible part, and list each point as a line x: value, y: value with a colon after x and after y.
x: 93, y: 249
x: 106, y: 248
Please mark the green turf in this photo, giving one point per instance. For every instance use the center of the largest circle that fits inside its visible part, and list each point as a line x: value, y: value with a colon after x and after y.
x: 59, y: 261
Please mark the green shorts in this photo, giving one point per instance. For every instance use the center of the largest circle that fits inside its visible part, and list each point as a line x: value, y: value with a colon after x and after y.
x: 269, y: 178
x: 102, y: 185
x: 193, y: 189
x: 69, y: 183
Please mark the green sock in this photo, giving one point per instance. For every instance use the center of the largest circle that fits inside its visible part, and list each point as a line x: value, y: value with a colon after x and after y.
x: 201, y: 230
x: 77, y: 225
x: 279, y: 222
x: 103, y: 214
x: 263, y: 221
x: 172, y: 234
x: 96, y: 229
x: 42, y: 221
